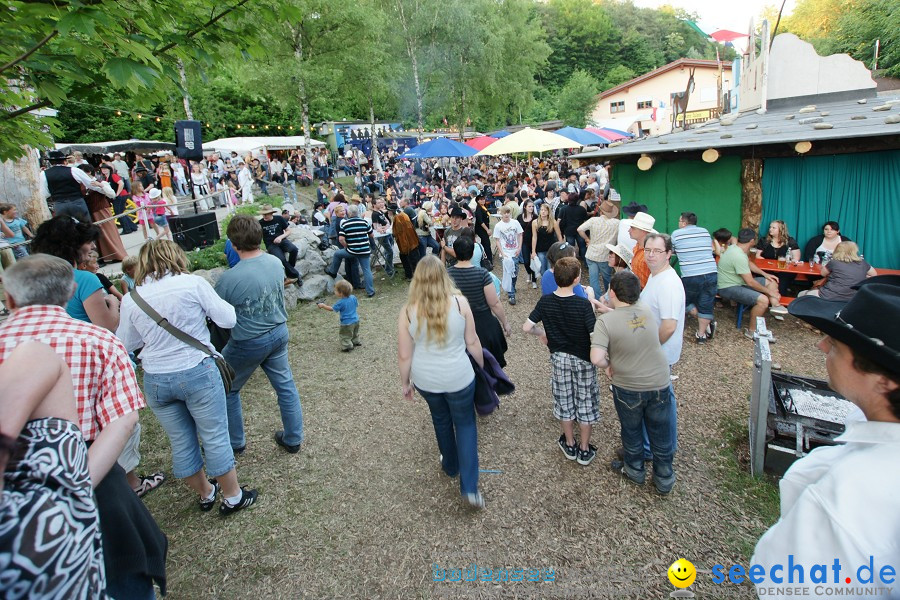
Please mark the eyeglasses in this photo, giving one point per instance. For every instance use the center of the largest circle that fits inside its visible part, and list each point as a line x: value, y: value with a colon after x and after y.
x: 653, y: 251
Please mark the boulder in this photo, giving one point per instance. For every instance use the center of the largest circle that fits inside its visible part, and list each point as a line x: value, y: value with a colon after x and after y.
x: 212, y: 275
x: 314, y: 286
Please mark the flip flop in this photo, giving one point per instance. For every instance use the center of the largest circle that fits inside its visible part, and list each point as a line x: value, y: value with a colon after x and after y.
x: 148, y: 484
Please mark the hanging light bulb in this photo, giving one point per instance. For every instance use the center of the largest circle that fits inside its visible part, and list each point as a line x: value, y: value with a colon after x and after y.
x: 291, y: 127
x: 267, y: 126
x: 239, y: 126
x: 140, y: 116
x: 119, y: 113
x: 279, y: 128
x: 158, y: 119
x: 207, y: 124
x: 253, y: 127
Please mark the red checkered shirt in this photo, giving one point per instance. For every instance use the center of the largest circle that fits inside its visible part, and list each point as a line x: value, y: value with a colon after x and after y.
x: 104, y: 381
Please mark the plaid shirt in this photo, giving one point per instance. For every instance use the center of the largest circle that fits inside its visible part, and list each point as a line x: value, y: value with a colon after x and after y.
x: 639, y: 265
x: 102, y: 375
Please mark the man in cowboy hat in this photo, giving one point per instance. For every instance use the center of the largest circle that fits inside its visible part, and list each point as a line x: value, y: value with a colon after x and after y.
x: 698, y: 273
x: 61, y: 184
x: 641, y: 225
x: 839, y: 503
x: 275, y: 229
x: 625, y: 224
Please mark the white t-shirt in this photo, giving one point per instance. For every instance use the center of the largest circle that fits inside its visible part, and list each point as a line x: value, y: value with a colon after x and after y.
x: 507, y: 235
x: 664, y: 295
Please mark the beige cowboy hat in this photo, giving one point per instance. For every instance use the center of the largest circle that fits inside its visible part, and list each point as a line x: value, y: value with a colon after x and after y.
x: 644, y: 222
x: 609, y: 209
x: 622, y: 252
x: 267, y: 210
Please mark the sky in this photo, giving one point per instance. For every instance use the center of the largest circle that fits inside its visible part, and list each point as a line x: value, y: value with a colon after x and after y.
x: 722, y: 14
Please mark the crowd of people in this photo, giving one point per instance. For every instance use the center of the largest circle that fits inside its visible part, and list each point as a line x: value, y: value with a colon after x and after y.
x: 610, y: 300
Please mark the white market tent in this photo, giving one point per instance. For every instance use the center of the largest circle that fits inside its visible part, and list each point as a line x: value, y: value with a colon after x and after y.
x: 242, y: 145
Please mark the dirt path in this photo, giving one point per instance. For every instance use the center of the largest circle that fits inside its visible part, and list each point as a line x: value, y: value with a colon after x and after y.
x: 365, y: 512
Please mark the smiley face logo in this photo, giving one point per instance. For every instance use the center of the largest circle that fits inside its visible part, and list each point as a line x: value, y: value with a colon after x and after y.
x: 682, y: 573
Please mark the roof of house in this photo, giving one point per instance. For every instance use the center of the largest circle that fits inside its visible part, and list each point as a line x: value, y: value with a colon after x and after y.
x: 677, y: 64
x: 844, y: 119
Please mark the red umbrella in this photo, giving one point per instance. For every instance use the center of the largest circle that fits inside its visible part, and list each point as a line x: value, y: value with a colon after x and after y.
x: 480, y: 143
x: 609, y: 134
x: 725, y: 35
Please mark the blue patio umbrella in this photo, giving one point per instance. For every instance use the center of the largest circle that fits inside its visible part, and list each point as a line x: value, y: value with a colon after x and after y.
x: 583, y: 137
x: 439, y: 148
x: 499, y: 134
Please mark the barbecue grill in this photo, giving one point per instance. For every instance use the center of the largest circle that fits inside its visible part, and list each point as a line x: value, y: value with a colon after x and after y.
x: 800, y: 413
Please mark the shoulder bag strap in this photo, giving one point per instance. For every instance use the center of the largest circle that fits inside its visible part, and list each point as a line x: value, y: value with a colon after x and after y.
x: 164, y: 323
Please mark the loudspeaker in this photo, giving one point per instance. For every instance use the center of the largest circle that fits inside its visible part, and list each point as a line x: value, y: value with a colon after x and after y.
x: 194, y: 231
x: 188, y: 140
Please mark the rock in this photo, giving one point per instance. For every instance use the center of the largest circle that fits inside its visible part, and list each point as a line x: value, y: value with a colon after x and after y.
x: 810, y: 120
x: 212, y: 275
x: 857, y: 117
x: 315, y: 286
x: 725, y: 136
x: 291, y: 297
x: 789, y: 117
x: 863, y: 101
x: 881, y: 108
x: 808, y: 109
x: 891, y: 120
x: 823, y: 126
x: 824, y: 113
x: 752, y: 126
x: 311, y: 264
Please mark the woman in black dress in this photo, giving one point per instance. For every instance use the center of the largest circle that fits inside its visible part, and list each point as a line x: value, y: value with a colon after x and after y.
x: 526, y: 220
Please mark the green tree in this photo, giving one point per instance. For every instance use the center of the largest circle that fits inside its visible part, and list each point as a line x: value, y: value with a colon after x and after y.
x: 77, y: 49
x: 615, y: 76
x: 577, y: 98
x: 580, y: 34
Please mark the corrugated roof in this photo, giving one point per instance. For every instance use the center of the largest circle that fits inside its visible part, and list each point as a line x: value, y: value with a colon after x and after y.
x: 676, y: 64
x: 848, y: 119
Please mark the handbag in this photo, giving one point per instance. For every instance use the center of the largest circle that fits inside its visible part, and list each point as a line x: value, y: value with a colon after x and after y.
x: 486, y: 263
x: 225, y: 370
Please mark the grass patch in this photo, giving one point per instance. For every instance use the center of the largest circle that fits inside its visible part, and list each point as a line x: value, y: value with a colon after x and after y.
x: 756, y: 500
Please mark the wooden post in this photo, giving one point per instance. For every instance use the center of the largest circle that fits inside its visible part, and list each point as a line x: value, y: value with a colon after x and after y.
x: 751, y: 192
x: 20, y: 185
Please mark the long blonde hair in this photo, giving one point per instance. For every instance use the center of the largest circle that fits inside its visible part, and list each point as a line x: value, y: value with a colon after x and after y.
x: 551, y: 222
x: 846, y: 252
x: 158, y: 258
x: 783, y: 234
x: 429, y: 297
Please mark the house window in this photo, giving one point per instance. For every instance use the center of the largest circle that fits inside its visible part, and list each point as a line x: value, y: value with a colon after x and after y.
x: 615, y: 107
x: 645, y: 104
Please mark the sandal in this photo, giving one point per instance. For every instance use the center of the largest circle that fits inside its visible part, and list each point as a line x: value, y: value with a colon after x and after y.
x: 148, y: 484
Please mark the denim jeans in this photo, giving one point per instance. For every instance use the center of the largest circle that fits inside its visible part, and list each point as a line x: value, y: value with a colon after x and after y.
x: 289, y: 189
x: 577, y: 240
x: 545, y: 264
x: 189, y: 404
x: 651, y: 409
x: 364, y: 262
x: 700, y: 291
x: 269, y: 351
x: 596, y: 271
x: 387, y: 245
x: 428, y: 241
x: 453, y: 416
x: 673, y: 424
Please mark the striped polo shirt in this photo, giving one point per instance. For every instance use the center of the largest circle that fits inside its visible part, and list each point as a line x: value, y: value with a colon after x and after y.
x: 356, y: 233
x: 693, y: 246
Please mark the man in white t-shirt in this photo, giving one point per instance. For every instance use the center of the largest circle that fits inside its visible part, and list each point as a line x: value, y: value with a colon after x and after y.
x: 664, y: 295
x: 508, y: 241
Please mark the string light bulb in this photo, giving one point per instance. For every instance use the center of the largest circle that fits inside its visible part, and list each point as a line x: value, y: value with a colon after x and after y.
x: 119, y: 113
x: 267, y: 126
x: 291, y: 127
x: 253, y: 127
x: 140, y: 116
x: 207, y: 124
x: 158, y: 119
x: 238, y: 125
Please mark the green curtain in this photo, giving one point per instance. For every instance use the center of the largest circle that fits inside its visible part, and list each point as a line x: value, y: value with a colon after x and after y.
x: 860, y: 191
x: 711, y: 190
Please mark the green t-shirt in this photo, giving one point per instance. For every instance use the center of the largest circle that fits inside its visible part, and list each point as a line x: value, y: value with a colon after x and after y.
x: 255, y: 287
x: 732, y: 265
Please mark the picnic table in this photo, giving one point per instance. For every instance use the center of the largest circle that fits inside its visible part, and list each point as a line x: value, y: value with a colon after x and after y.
x: 803, y: 271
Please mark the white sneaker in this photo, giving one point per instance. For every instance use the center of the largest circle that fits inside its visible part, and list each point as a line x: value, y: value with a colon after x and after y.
x: 534, y: 285
x: 778, y: 310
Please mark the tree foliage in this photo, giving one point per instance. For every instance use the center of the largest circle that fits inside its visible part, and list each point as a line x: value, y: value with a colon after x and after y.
x: 577, y: 98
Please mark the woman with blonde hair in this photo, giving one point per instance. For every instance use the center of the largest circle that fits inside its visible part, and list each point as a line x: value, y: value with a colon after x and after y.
x: 435, y: 329
x: 545, y: 233
x: 182, y: 384
x: 778, y: 242
x: 845, y: 270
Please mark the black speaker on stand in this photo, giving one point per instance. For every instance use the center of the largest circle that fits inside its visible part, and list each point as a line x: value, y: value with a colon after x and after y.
x: 194, y: 231
x: 189, y: 146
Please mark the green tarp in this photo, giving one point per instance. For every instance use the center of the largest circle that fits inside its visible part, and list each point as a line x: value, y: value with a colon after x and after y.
x: 711, y: 190
x: 860, y: 191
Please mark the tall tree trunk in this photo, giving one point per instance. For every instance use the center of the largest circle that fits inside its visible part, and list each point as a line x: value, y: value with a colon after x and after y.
x: 20, y: 185
x: 184, y: 91
x: 376, y: 157
x: 304, y: 103
x: 411, y: 49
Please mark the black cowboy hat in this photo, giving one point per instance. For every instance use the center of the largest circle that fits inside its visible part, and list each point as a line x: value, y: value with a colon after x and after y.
x: 634, y: 208
x: 56, y: 156
x: 869, y: 323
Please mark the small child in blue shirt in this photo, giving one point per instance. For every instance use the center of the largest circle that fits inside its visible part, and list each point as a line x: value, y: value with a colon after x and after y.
x: 346, y: 308
x: 16, y: 229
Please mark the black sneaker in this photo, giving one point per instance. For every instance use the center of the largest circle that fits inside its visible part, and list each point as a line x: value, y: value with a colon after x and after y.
x: 248, y: 498
x: 701, y: 339
x: 586, y: 456
x: 206, y: 505
x: 279, y: 439
x: 571, y: 452
x: 711, y: 329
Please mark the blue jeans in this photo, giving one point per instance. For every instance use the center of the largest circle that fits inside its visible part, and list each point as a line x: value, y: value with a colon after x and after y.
x: 428, y: 241
x: 577, y: 240
x: 364, y: 262
x: 700, y: 291
x: 673, y: 423
x: 189, y: 404
x: 596, y: 271
x: 269, y: 351
x: 651, y: 409
x: 545, y: 264
x: 387, y: 244
x: 453, y: 416
x: 289, y: 188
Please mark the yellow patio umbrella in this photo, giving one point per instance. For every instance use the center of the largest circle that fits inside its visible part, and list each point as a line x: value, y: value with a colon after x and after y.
x: 529, y: 140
